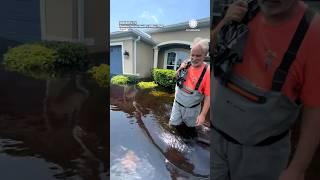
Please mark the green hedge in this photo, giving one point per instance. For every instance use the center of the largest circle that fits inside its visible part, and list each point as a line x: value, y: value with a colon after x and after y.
x: 164, y: 77
x: 47, y: 58
x: 30, y: 57
x: 124, y: 79
x: 101, y: 74
x: 71, y: 56
x: 147, y: 85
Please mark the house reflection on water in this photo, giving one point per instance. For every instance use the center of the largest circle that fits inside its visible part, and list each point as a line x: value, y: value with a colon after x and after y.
x: 53, y: 129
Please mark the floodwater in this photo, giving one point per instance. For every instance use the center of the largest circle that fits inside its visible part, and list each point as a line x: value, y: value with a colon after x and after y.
x: 142, y: 145
x: 53, y: 128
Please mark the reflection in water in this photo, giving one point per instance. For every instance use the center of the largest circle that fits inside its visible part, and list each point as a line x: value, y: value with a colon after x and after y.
x: 139, y: 126
x: 129, y: 162
x: 174, y: 142
x: 62, y: 121
x: 130, y: 166
x: 64, y: 101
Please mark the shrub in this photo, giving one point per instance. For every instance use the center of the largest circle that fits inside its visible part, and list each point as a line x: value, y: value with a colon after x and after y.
x: 101, y: 74
x: 71, y: 56
x: 164, y: 77
x: 124, y: 79
x: 47, y: 57
x: 30, y: 57
x: 147, y: 85
x: 161, y: 94
x: 132, y: 79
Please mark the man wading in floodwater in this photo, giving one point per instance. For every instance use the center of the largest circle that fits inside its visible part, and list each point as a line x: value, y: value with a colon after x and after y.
x: 192, y: 89
x: 255, y: 99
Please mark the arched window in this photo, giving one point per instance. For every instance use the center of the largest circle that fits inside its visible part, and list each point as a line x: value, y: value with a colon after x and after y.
x: 174, y: 58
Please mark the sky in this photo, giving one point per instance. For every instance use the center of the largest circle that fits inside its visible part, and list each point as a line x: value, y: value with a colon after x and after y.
x: 163, y: 12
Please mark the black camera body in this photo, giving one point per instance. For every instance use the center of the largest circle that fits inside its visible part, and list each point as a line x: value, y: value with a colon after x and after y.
x: 231, y: 42
x: 182, y: 75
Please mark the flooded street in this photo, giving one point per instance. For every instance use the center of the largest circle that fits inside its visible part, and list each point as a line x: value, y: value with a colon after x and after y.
x: 143, y: 146
x: 52, y: 128
x: 57, y: 129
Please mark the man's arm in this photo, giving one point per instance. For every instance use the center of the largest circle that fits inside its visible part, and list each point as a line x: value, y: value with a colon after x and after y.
x: 216, y: 30
x: 307, y: 145
x: 236, y: 12
x: 202, y: 116
x: 206, y: 106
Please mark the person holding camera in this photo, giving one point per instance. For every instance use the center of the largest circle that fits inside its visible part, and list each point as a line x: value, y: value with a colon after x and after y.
x: 192, y: 89
x: 255, y: 108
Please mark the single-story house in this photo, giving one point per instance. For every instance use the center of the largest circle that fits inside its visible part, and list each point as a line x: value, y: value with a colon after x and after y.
x: 135, y: 52
x: 61, y: 20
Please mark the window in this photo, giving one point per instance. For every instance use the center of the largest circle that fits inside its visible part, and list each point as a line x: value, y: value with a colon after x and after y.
x: 171, y: 60
x: 174, y: 58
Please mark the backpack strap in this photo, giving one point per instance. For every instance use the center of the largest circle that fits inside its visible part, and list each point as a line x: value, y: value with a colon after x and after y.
x: 201, y: 77
x: 282, y: 71
x: 253, y: 9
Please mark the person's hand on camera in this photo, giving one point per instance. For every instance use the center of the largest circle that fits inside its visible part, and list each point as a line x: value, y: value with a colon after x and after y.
x: 183, y: 64
x: 236, y: 11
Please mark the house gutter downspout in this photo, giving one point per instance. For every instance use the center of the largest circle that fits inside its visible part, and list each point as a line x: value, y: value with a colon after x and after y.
x: 135, y: 55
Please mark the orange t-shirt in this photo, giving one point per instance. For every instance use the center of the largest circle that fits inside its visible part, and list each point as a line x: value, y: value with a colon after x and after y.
x: 265, y: 49
x: 192, y: 78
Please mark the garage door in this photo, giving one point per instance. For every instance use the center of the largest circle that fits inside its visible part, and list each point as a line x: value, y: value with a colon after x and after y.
x: 20, y: 20
x: 115, y: 60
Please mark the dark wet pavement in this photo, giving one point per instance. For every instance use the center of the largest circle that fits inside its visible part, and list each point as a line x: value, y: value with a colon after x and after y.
x: 53, y: 129
x: 142, y: 144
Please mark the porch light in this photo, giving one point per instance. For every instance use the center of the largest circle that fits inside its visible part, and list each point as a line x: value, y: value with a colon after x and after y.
x: 126, y: 54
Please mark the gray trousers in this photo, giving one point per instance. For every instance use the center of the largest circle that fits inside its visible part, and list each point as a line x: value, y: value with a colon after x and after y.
x: 181, y: 114
x: 231, y: 161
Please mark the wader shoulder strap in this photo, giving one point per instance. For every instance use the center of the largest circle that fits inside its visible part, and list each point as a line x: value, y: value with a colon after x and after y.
x: 282, y: 71
x: 201, y: 77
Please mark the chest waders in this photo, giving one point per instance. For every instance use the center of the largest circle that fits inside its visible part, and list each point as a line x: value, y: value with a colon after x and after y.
x: 187, y: 97
x: 245, y: 115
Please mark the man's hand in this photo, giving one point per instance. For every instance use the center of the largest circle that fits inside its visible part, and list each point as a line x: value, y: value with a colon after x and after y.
x: 200, y: 120
x: 205, y: 108
x: 307, y: 144
x: 236, y: 11
x: 184, y: 64
x: 291, y: 174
